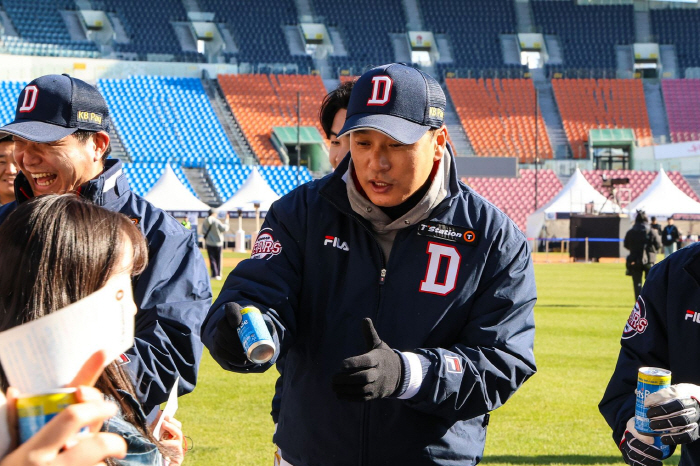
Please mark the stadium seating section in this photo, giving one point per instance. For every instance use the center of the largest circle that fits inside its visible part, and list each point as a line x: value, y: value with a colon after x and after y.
x: 680, y: 28
x: 498, y: 116
x: 587, y: 104
x: 257, y: 27
x: 682, y: 97
x: 516, y: 196
x: 365, y: 26
x: 227, y: 178
x: 164, y: 119
x: 588, y: 34
x: 261, y: 101
x: 639, y: 182
x: 473, y: 27
x: 9, y: 90
x: 142, y: 176
x: 42, y: 31
x: 148, y: 25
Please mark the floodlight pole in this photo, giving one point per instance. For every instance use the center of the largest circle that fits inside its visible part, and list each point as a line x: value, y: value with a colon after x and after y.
x: 298, y: 137
x: 537, y: 159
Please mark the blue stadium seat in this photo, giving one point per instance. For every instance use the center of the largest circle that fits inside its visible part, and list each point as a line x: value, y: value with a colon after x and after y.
x: 163, y: 119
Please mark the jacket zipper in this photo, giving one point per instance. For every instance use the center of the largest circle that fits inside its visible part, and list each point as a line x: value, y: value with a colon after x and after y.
x: 382, y: 277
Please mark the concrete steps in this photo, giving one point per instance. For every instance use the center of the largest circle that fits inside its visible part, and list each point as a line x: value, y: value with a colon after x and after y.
x: 656, y: 110
x: 228, y: 121
x: 203, y: 186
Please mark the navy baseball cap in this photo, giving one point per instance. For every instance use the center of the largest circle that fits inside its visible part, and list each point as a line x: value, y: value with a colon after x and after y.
x: 400, y: 101
x: 55, y: 106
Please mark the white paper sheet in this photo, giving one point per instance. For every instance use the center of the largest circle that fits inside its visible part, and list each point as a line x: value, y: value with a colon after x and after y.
x: 4, y: 431
x: 47, y: 353
x: 169, y: 410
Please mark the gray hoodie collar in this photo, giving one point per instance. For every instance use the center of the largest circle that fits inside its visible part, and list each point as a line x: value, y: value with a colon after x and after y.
x: 381, y: 221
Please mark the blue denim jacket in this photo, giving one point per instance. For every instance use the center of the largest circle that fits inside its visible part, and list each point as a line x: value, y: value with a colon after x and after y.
x: 139, y: 450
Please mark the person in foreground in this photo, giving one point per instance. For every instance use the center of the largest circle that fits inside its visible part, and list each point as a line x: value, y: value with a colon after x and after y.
x: 401, y: 300
x: 662, y: 331
x: 61, y: 145
x: 65, y: 249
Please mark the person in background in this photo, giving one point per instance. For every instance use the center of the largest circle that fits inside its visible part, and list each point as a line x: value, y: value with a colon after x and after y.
x: 653, y: 224
x: 8, y: 170
x: 213, y: 232
x: 642, y: 242
x: 65, y: 249
x: 332, y: 117
x: 670, y: 237
x: 62, y: 144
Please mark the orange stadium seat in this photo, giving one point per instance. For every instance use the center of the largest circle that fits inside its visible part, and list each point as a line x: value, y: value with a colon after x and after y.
x: 261, y: 101
x: 499, y: 117
x: 587, y: 104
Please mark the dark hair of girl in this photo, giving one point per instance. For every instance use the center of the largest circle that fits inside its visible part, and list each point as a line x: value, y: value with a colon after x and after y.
x: 56, y: 250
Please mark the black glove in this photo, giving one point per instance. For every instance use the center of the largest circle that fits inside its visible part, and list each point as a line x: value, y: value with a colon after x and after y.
x: 375, y: 374
x: 675, y: 411
x: 227, y: 345
x: 636, y: 452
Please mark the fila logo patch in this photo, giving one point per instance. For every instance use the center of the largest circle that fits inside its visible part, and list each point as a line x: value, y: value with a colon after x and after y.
x: 637, y: 322
x: 124, y: 359
x: 380, y: 85
x: 29, y: 102
x: 693, y: 316
x: 453, y: 364
x: 265, y: 246
x: 336, y: 243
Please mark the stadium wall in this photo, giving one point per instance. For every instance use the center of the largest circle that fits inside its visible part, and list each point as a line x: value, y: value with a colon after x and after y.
x: 25, y: 68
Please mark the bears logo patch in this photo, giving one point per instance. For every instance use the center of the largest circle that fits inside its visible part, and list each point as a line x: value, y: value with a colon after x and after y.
x: 637, y: 322
x: 265, y: 246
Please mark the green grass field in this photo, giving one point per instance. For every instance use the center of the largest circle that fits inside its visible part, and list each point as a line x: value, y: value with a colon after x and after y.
x: 552, y: 420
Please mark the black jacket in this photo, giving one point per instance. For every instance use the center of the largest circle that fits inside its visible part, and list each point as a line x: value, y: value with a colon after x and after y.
x: 662, y: 331
x: 642, y: 242
x: 670, y: 235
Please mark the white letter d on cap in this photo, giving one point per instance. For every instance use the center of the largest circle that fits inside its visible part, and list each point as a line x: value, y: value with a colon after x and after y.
x: 30, y: 95
x: 377, y: 82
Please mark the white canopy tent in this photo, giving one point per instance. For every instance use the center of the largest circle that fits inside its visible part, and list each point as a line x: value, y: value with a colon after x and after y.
x: 663, y: 199
x: 253, y: 190
x: 171, y: 195
x: 571, y: 199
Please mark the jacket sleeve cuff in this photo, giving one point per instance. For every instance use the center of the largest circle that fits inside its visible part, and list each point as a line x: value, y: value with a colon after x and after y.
x: 415, y: 367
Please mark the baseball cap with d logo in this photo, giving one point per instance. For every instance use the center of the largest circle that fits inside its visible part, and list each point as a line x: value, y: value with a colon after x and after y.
x: 400, y: 101
x: 55, y: 106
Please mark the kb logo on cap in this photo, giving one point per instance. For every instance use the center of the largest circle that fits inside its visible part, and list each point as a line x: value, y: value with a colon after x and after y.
x: 377, y: 83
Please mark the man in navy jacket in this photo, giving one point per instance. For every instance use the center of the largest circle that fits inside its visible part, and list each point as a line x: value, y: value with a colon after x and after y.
x: 61, y: 134
x: 401, y: 300
x: 662, y: 331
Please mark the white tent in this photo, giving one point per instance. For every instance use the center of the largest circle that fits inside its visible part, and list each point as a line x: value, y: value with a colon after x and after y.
x: 253, y: 190
x: 663, y: 199
x: 171, y: 195
x: 571, y: 199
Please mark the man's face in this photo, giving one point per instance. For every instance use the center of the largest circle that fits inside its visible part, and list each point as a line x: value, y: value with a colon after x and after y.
x: 339, y: 147
x: 61, y: 166
x: 389, y: 171
x: 8, y: 172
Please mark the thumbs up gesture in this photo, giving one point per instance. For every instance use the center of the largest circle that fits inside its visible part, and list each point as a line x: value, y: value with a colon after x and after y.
x: 374, y: 374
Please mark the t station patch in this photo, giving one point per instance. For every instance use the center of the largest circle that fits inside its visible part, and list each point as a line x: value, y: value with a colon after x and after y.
x: 452, y: 233
x: 637, y: 322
